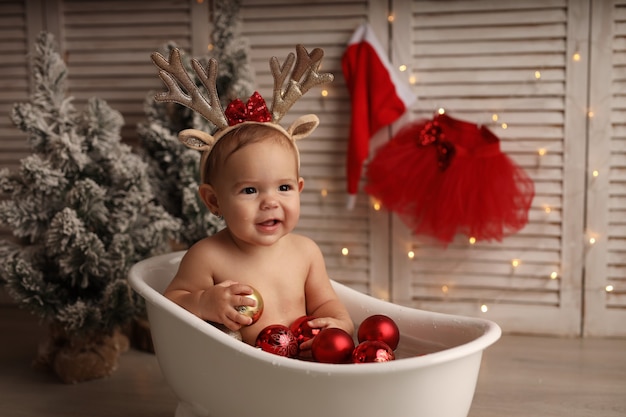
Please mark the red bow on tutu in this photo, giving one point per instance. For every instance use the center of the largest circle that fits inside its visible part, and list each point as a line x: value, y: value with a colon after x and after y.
x: 255, y: 110
x: 432, y: 134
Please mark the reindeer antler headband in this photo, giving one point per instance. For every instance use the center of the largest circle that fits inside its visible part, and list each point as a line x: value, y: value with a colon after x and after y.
x: 305, y: 75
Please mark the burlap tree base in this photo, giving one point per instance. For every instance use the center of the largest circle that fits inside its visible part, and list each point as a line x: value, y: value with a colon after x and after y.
x: 78, y: 359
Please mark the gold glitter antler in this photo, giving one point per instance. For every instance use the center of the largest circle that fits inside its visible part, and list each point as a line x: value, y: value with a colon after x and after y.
x: 304, y: 76
x: 174, y: 76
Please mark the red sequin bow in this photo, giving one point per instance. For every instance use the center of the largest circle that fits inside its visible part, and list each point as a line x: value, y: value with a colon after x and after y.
x: 432, y: 134
x: 255, y: 110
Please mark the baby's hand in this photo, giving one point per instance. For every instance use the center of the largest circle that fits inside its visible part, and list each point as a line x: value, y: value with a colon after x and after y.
x: 220, y: 304
x: 323, y: 323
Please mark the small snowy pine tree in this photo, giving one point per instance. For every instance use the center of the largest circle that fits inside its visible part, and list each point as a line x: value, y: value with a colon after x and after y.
x: 175, y: 168
x: 80, y: 208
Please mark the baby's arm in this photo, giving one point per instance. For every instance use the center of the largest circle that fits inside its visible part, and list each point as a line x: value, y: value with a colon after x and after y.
x: 194, y: 289
x: 321, y: 299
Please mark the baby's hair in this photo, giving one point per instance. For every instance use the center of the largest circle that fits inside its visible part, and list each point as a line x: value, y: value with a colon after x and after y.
x: 238, y: 138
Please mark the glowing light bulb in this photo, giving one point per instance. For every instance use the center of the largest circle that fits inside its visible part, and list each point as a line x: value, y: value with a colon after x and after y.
x: 411, y: 254
x: 391, y: 18
x: 324, y: 93
x: 542, y: 151
x: 554, y: 275
x: 592, y: 240
x: 537, y: 74
x: 324, y: 192
x: 547, y: 209
x: 402, y: 68
x: 595, y: 173
x: 441, y: 110
x: 590, y: 114
x: 484, y: 308
x: 345, y: 251
x: 412, y: 80
x: 210, y: 47
x: 515, y: 263
x: 609, y: 288
x: 576, y: 56
x: 445, y: 289
x: 494, y: 117
x: 472, y: 240
x: 377, y: 206
x: 504, y: 126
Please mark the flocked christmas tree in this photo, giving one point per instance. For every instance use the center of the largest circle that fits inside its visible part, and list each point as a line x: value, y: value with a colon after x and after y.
x: 174, y: 168
x: 82, y: 211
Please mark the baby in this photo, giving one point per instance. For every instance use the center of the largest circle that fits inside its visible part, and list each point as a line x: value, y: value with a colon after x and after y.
x: 252, y: 180
x: 250, y: 175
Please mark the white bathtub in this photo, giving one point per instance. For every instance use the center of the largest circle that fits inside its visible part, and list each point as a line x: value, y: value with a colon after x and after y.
x: 215, y: 375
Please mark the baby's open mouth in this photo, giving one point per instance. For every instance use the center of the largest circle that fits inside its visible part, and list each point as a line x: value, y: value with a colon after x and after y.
x: 270, y: 222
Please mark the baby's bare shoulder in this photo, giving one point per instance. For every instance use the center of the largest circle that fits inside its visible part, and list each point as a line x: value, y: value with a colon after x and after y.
x: 300, y: 240
x: 200, y: 264
x: 205, y: 252
x: 303, y: 245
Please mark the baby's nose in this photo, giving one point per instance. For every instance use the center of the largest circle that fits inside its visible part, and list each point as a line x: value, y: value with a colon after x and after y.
x: 269, y: 201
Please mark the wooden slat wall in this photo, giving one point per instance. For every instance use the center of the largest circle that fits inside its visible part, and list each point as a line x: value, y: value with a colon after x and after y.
x: 108, y: 45
x: 14, y: 78
x: 323, y: 215
x: 14, y: 82
x: 605, y: 266
x: 476, y: 59
x: 616, y: 277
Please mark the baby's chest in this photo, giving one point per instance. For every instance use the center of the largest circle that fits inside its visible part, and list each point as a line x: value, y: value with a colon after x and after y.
x: 283, y: 293
x: 275, y: 279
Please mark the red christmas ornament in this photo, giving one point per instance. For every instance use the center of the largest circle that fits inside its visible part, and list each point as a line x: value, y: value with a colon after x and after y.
x: 279, y: 340
x: 372, y: 351
x: 379, y: 327
x: 332, y: 345
x: 302, y: 331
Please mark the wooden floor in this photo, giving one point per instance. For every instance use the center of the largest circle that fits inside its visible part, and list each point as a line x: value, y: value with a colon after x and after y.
x: 521, y: 376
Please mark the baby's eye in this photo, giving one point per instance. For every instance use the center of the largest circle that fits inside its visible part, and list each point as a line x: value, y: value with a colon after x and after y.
x: 249, y: 190
x: 285, y: 187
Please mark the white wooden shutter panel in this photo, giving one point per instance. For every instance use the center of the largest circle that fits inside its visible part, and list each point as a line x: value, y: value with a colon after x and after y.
x: 605, y: 262
x: 273, y: 28
x: 14, y: 78
x: 476, y: 59
x: 108, y: 45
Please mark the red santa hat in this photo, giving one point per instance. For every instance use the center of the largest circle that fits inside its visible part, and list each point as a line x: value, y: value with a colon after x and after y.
x: 378, y: 97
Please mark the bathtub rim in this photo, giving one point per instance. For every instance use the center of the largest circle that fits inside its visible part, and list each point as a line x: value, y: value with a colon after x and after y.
x: 491, y: 331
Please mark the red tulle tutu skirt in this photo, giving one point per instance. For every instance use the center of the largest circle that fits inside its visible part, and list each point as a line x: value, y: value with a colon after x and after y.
x: 445, y: 177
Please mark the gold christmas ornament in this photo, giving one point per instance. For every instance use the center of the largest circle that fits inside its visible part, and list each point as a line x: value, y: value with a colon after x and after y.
x: 253, y: 312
